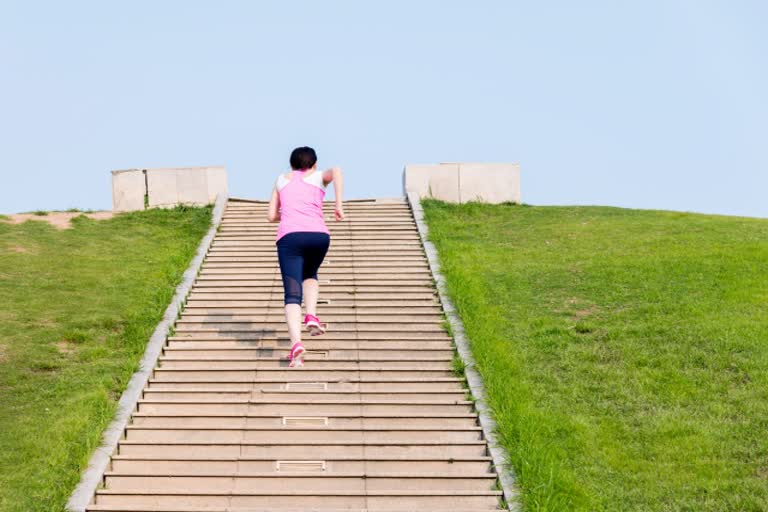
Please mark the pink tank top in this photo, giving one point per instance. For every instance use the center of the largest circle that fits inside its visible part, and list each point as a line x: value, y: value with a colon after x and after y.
x: 301, y: 203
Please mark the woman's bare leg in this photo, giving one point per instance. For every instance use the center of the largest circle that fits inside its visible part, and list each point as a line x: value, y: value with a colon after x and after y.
x: 311, y: 293
x: 293, y: 317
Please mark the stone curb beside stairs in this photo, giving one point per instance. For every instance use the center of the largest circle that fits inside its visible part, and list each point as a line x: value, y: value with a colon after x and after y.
x: 474, y: 380
x: 97, y: 465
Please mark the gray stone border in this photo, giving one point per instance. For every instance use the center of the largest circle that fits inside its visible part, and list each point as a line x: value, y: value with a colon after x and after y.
x: 97, y: 465
x: 475, y: 381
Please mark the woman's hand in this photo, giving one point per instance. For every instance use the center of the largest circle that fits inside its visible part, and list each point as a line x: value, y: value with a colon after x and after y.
x: 339, y: 212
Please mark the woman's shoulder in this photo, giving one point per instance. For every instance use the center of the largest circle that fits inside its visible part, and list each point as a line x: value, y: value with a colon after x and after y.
x: 316, y: 178
x: 282, y: 180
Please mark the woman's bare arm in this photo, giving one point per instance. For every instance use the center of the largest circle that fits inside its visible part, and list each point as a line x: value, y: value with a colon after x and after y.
x: 335, y: 175
x: 273, y: 212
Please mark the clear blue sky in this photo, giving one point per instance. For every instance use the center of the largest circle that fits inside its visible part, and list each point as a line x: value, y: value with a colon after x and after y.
x: 650, y: 104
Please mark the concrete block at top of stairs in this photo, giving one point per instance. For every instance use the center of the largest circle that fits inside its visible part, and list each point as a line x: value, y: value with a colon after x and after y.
x: 187, y: 185
x: 128, y: 190
x: 490, y: 183
x: 440, y: 181
x: 167, y: 187
x: 463, y: 182
x: 217, y: 182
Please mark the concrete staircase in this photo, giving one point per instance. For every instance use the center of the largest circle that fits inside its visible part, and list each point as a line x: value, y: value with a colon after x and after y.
x: 375, y: 420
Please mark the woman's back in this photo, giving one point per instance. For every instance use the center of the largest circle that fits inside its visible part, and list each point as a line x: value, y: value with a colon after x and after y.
x: 301, y: 202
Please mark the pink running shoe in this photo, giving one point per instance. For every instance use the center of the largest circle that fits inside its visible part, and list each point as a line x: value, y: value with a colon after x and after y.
x: 314, y: 326
x: 296, y: 357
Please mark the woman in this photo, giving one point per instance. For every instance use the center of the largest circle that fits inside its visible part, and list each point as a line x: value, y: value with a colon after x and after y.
x: 302, y: 239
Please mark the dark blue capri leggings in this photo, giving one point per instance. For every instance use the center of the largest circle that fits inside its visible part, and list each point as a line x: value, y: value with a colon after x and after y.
x: 300, y: 254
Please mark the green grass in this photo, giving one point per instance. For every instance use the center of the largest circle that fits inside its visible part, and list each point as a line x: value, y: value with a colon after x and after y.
x: 78, y: 306
x: 625, y: 352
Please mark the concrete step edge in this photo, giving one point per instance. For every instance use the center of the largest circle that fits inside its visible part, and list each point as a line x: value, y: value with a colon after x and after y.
x: 308, y: 357
x: 337, y: 349
x: 330, y: 381
x: 402, y: 416
x: 237, y: 492
x: 317, y: 402
x: 304, y: 369
x: 306, y: 429
x: 481, y: 458
x: 117, y: 508
x: 309, y: 474
x: 157, y: 444
x: 289, y: 392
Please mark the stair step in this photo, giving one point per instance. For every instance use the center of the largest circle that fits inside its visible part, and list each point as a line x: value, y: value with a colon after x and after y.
x: 340, y: 420
x: 359, y: 326
x: 274, y: 335
x: 306, y: 397
x: 300, y: 409
x: 256, y: 333
x: 271, y: 259
x: 378, y: 388
x: 362, y: 379
x: 314, y: 361
x: 370, y: 500
x: 267, y: 267
x: 241, y: 298
x: 327, y: 309
x: 329, y: 288
x: 294, y: 451
x: 282, y: 436
x: 216, y: 467
x: 313, y: 357
x: 173, y: 508
x: 309, y: 481
x: 277, y: 317
x: 306, y: 372
x: 330, y: 336
x: 379, y: 346
x: 342, y: 350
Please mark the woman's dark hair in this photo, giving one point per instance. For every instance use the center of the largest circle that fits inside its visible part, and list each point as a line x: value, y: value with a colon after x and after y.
x: 303, y: 158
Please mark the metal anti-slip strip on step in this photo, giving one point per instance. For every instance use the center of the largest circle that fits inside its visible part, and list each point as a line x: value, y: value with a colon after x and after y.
x: 305, y: 421
x: 300, y: 465
x: 306, y: 386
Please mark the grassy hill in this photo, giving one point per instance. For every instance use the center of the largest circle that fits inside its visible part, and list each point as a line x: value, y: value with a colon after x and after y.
x: 625, y: 352
x: 78, y: 306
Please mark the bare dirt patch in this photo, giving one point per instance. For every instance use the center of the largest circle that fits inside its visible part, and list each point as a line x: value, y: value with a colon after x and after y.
x: 60, y: 220
x: 19, y: 248
x: 65, y: 347
x: 582, y: 313
x: 578, y: 309
x: 45, y: 323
